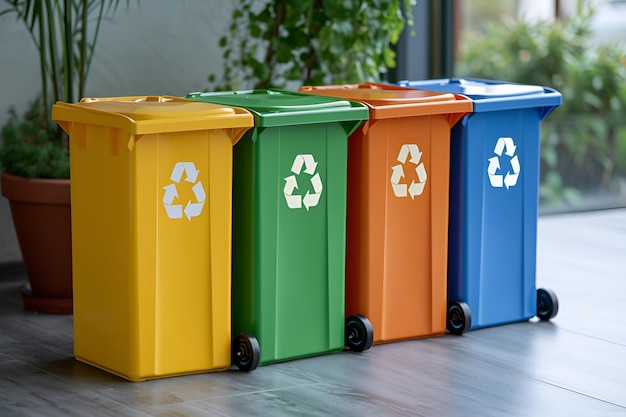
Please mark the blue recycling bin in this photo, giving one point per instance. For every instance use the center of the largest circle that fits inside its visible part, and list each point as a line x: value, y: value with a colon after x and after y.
x: 494, y: 195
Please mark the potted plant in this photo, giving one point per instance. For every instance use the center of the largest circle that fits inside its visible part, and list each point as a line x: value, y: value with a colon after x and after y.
x: 35, y: 179
x: 34, y: 153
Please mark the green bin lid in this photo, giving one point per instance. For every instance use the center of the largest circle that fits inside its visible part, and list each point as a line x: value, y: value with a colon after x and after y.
x: 280, y: 107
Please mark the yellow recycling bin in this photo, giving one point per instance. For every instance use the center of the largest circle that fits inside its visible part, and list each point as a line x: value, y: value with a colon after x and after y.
x: 151, y: 182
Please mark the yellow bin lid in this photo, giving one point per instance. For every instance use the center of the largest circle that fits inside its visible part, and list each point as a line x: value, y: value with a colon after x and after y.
x: 153, y: 114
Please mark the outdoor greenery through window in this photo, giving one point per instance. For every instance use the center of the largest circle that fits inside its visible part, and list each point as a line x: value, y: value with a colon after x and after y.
x: 581, y: 53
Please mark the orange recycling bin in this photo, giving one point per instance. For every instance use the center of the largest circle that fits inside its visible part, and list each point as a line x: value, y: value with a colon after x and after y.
x: 397, y: 208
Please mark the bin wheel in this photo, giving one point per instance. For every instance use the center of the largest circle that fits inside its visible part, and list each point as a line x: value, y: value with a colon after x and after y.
x: 547, y: 304
x: 246, y: 352
x: 359, y: 333
x: 459, y: 317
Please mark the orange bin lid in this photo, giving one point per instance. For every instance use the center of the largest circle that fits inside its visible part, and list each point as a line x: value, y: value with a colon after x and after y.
x: 391, y: 101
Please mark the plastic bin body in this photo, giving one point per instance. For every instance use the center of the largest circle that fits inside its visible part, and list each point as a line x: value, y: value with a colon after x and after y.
x: 151, y: 233
x: 397, y: 242
x: 289, y: 262
x: 494, y: 197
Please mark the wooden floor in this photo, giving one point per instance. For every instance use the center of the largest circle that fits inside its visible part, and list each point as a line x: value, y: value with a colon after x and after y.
x: 572, y: 366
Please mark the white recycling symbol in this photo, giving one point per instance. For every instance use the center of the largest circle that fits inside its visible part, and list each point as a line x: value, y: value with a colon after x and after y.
x: 497, y: 180
x: 416, y: 188
x: 191, y: 209
x: 294, y: 200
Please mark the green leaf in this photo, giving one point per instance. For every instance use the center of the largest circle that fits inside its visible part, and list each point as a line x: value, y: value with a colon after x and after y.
x: 323, y: 40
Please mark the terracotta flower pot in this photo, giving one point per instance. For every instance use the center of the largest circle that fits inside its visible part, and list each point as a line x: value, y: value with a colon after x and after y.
x: 42, y: 219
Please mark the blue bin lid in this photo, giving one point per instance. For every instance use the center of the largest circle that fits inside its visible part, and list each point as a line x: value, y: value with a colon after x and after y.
x: 490, y: 95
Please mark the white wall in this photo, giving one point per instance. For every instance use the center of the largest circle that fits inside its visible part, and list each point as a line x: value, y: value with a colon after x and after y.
x: 156, y: 47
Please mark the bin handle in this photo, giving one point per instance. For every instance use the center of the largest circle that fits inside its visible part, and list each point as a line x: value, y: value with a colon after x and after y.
x: 155, y: 99
x: 158, y: 99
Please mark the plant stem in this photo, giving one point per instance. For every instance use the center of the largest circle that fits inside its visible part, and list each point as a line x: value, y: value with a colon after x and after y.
x: 269, y: 53
x: 68, y: 69
x: 87, y: 49
x: 83, y: 59
x: 52, y: 51
x: 42, y: 66
x: 313, y: 31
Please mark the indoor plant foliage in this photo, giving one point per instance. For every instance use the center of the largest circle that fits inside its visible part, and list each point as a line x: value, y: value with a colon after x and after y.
x: 64, y: 33
x: 310, y: 42
x: 34, y: 150
x: 33, y: 146
x: 583, y: 145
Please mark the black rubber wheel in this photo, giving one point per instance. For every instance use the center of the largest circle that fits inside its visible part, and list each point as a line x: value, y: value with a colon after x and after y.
x: 359, y: 333
x: 246, y: 352
x: 547, y: 304
x: 459, y: 317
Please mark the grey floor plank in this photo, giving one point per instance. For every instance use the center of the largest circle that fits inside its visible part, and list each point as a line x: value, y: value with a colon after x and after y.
x: 572, y: 366
x: 583, y: 256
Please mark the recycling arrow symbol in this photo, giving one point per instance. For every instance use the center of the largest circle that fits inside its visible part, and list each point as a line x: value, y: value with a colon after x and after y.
x: 397, y: 172
x: 175, y: 211
x: 310, y: 199
x: 497, y: 180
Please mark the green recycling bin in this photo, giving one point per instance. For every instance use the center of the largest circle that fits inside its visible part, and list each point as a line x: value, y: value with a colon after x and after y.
x: 289, y: 227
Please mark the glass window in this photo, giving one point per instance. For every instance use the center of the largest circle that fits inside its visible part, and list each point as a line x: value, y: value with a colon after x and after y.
x: 578, y: 48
